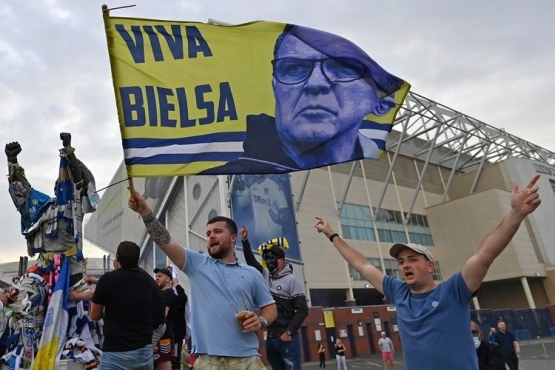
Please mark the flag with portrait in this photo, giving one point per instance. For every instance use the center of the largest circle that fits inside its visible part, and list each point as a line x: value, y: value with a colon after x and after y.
x: 260, y: 97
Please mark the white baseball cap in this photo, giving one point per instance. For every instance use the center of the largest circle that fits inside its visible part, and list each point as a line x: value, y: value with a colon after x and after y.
x: 397, y: 248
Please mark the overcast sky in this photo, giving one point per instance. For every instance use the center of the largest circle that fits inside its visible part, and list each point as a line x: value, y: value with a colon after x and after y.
x: 492, y: 60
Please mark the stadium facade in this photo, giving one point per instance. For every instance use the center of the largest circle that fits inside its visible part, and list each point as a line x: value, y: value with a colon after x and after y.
x: 444, y: 182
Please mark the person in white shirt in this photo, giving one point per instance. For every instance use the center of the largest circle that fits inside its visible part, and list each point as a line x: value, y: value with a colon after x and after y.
x: 387, y: 350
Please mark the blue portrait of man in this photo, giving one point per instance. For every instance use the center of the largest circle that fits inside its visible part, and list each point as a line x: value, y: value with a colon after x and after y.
x: 324, y: 87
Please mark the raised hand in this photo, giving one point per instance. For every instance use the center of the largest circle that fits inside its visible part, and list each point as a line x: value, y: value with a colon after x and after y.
x: 527, y: 199
x: 244, y: 232
x: 12, y: 150
x: 66, y: 139
x: 322, y: 226
x: 138, y: 204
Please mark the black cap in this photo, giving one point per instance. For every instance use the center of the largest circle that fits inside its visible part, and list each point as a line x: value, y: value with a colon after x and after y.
x: 164, y: 271
x: 277, y: 251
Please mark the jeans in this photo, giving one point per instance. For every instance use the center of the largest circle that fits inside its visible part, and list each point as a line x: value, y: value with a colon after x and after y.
x: 138, y: 359
x: 341, y: 363
x: 284, y: 355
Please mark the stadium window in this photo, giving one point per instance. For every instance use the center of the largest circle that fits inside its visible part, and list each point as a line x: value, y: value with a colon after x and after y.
x: 356, y: 222
x: 391, y: 266
x: 355, y: 276
x: 437, y: 272
x: 552, y: 182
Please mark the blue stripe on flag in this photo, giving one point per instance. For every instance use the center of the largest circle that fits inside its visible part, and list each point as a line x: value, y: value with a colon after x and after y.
x: 183, y: 158
x: 220, y: 137
x: 375, y: 126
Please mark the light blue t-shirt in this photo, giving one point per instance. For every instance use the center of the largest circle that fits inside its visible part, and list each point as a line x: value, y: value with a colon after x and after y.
x: 434, y: 326
x: 218, y: 292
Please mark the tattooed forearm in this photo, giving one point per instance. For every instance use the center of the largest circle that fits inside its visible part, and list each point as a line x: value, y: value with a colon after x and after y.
x: 157, y: 231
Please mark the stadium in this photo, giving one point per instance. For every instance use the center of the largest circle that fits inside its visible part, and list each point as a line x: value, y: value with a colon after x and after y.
x: 444, y: 182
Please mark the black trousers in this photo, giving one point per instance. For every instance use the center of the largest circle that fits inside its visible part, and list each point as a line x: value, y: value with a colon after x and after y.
x: 511, y: 359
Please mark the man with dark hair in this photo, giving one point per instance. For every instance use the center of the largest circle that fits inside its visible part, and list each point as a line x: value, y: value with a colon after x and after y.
x: 123, y: 298
x: 490, y: 356
x: 429, y: 314
x: 283, y: 346
x: 508, y: 344
x: 222, y: 291
x: 164, y: 351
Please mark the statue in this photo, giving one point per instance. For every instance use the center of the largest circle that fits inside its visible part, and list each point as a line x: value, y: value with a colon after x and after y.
x: 54, y: 224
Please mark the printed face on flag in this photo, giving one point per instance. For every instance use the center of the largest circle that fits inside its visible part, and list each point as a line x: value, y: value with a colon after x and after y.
x: 261, y: 97
x: 318, y: 98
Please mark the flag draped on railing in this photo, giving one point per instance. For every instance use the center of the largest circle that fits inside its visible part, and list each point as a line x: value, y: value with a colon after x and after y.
x: 260, y: 97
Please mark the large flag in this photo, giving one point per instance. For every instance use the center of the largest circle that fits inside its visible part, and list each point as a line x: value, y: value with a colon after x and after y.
x: 55, y: 325
x: 260, y: 97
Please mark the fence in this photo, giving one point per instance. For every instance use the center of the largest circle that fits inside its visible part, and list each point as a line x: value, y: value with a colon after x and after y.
x: 536, y: 322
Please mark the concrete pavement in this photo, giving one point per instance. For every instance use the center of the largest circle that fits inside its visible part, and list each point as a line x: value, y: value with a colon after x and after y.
x: 535, y: 355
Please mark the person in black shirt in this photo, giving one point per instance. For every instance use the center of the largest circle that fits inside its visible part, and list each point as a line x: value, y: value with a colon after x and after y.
x: 490, y: 356
x: 124, y: 298
x: 508, y: 344
x: 340, y: 354
x: 164, y: 351
x: 179, y: 323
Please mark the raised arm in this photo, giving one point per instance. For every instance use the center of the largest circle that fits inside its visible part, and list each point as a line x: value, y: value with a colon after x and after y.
x: 74, y: 165
x: 357, y: 260
x: 247, y: 251
x: 523, y: 202
x: 157, y: 231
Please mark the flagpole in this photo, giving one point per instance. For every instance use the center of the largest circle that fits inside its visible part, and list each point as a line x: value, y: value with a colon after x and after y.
x: 131, y: 187
x: 106, y: 13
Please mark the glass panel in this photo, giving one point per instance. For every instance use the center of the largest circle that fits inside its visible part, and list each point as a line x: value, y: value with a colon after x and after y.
x: 362, y: 233
x: 358, y: 212
x: 350, y: 210
x: 366, y: 213
x: 414, y: 219
x: 354, y: 234
x: 346, y: 231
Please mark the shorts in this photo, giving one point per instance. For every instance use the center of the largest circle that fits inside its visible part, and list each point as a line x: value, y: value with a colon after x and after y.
x: 207, y: 362
x: 164, y: 351
x: 387, y: 356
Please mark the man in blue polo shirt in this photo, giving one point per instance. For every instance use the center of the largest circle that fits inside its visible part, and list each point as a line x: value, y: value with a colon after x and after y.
x: 221, y: 287
x: 433, y: 318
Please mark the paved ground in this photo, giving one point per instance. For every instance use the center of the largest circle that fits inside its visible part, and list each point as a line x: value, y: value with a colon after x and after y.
x: 535, y: 356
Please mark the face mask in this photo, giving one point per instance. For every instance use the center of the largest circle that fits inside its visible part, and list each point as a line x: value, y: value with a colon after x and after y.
x: 476, y: 342
x: 271, y: 262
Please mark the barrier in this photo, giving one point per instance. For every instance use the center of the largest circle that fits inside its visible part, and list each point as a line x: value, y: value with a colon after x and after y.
x: 523, y: 335
x: 71, y: 365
